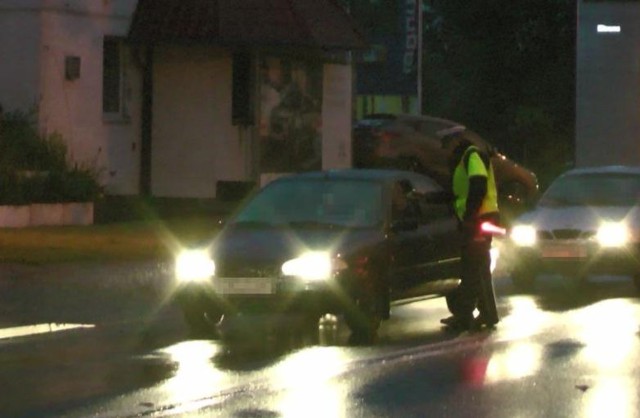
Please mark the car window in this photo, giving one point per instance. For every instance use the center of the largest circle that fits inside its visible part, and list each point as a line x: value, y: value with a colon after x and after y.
x: 404, y: 201
x: 425, y: 189
x: 316, y: 202
x: 595, y: 189
x: 372, y: 123
x: 423, y: 185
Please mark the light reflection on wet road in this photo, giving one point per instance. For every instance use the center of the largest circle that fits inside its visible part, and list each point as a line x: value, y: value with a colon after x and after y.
x: 561, y: 352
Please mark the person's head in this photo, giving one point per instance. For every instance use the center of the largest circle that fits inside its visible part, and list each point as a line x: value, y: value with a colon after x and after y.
x: 450, y: 138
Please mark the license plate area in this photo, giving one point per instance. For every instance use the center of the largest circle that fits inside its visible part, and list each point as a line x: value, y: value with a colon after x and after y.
x: 244, y: 285
x: 563, y: 251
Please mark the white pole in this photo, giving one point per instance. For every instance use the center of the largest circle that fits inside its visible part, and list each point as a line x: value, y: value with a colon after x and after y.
x: 419, y: 57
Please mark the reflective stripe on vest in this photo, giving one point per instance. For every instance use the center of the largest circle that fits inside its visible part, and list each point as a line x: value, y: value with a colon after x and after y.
x: 475, y: 167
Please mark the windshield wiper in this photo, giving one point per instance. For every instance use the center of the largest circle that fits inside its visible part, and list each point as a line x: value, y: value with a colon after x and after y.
x: 252, y: 224
x: 315, y: 224
x: 555, y: 201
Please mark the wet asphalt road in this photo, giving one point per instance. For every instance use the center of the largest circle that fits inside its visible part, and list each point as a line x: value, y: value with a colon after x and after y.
x: 561, y: 352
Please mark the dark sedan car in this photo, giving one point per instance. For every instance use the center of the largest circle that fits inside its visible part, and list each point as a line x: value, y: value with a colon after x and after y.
x: 412, y: 142
x: 344, y: 242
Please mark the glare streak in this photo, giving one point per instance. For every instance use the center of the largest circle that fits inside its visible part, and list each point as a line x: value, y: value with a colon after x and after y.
x: 26, y: 330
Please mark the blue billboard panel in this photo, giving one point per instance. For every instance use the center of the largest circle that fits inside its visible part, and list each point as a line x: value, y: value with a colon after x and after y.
x: 391, y: 65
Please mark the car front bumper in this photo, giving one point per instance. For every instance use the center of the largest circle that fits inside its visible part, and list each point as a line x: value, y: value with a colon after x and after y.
x: 264, y: 295
x: 576, y: 258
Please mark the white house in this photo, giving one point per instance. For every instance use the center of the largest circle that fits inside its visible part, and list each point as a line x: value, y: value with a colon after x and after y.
x: 608, y: 83
x: 171, y: 98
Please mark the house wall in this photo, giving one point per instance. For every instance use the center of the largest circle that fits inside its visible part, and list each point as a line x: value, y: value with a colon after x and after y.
x: 74, y: 107
x: 608, y: 84
x: 194, y: 144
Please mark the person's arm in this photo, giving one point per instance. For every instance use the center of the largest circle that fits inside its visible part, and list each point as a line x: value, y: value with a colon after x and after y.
x: 477, y: 192
x: 477, y: 186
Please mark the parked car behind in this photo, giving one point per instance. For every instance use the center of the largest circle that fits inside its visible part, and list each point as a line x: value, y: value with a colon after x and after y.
x: 412, y: 142
x: 587, y: 222
x: 344, y: 242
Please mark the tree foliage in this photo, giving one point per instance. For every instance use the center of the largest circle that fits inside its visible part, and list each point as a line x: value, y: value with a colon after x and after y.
x: 34, y: 168
x: 506, y: 68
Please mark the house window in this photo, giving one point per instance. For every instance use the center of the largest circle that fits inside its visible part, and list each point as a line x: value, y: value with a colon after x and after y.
x: 112, y: 78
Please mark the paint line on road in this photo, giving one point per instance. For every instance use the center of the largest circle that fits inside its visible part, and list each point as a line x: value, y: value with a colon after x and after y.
x: 28, y: 330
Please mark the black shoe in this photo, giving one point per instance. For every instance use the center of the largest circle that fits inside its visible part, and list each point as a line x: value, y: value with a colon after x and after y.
x: 458, y: 324
x: 449, y: 320
x: 480, y: 322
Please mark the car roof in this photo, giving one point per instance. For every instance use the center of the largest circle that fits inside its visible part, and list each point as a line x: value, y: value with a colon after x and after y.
x: 605, y: 169
x: 354, y: 174
x: 436, y: 125
x: 428, y: 118
x: 420, y: 182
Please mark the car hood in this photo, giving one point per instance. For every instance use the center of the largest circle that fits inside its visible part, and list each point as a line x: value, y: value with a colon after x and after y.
x: 578, y: 217
x: 267, y: 245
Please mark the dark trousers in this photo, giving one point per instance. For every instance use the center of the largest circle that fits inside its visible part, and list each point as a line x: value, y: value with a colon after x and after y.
x: 475, y: 259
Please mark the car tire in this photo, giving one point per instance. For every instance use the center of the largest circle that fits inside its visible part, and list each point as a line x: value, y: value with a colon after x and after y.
x: 364, y: 316
x: 201, y: 321
x: 523, y: 280
x: 452, y: 299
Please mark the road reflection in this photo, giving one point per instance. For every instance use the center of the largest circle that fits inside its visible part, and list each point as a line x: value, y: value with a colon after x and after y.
x: 306, y: 376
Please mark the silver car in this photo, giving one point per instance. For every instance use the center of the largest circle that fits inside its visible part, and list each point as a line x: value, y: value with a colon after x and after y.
x: 586, y: 223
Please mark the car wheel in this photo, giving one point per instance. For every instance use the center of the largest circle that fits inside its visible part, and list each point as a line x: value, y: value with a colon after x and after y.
x: 523, y: 280
x: 365, y: 315
x: 201, y: 321
x: 452, y: 298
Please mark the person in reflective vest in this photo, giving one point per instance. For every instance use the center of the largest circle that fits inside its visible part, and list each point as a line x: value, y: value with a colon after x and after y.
x: 474, y: 201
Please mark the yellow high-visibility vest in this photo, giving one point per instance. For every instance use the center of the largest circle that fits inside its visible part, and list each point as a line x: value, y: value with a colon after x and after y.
x: 475, y: 166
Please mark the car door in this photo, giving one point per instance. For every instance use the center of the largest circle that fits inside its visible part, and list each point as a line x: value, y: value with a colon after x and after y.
x: 409, y: 238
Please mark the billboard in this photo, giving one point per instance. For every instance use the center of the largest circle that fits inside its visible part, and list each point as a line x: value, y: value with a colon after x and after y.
x: 290, y: 115
x: 392, y: 65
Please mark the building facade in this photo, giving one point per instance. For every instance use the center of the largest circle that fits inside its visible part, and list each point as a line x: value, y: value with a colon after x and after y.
x: 608, y: 83
x: 158, y: 111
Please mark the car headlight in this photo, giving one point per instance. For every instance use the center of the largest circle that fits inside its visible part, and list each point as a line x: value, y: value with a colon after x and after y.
x: 523, y: 235
x: 312, y: 266
x: 194, y: 265
x: 612, y: 234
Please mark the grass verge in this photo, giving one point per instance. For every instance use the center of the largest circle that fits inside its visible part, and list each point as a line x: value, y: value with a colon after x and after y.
x: 139, y: 240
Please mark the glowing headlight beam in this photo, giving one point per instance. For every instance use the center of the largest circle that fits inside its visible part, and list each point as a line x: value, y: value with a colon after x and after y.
x: 612, y: 234
x: 194, y: 265
x: 523, y: 235
x: 314, y: 265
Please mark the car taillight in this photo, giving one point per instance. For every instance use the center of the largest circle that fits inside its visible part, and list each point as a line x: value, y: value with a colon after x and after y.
x: 387, y: 137
x: 385, y: 142
x: 361, y: 266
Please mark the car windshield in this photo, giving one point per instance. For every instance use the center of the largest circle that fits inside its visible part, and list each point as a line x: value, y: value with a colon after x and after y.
x: 315, y: 203
x: 593, y: 190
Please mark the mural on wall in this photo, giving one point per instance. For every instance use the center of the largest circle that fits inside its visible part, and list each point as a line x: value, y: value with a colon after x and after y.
x: 290, y: 115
